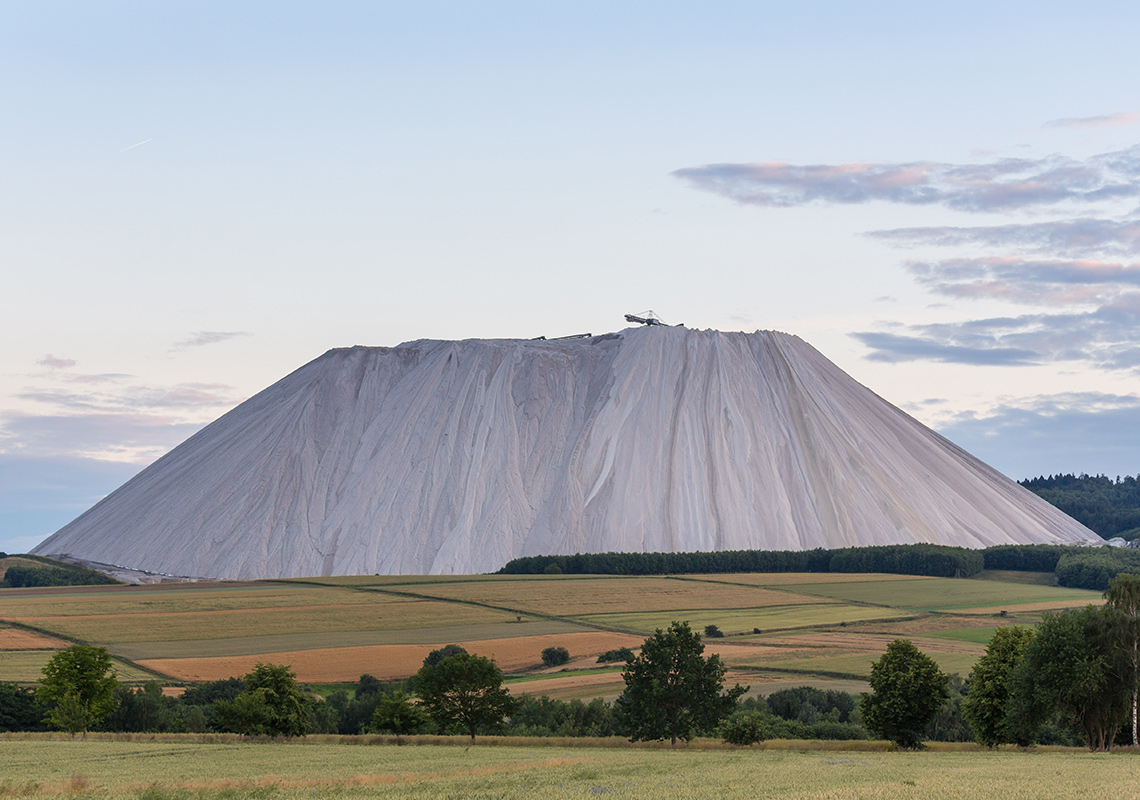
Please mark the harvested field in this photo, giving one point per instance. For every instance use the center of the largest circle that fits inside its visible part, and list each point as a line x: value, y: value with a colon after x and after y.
x: 951, y: 594
x: 16, y: 639
x: 744, y: 619
x: 586, y: 596
x: 380, y: 613
x: 607, y: 685
x: 387, y: 662
x: 187, y: 597
x: 277, y: 643
x: 26, y: 666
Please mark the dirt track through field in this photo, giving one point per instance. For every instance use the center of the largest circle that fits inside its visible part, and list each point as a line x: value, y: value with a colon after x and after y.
x: 387, y: 662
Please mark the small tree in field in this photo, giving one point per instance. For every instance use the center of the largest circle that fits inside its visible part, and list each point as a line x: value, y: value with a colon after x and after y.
x: 78, y: 688
x: 464, y: 691
x: 555, y: 656
x: 908, y: 690
x: 671, y: 690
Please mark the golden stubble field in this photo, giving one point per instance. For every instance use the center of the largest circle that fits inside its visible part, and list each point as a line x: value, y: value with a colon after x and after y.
x: 177, y: 768
x: 780, y: 629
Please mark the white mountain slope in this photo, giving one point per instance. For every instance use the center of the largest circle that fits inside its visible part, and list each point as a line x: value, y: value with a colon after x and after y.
x: 454, y: 457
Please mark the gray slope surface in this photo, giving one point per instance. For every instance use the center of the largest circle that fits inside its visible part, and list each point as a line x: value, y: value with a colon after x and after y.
x: 455, y: 457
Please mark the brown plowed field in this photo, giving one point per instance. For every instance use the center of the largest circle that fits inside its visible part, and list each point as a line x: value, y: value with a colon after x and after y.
x: 14, y: 639
x: 387, y: 662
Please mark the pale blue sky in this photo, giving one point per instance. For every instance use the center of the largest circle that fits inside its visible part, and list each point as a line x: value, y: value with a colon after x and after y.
x: 196, y: 198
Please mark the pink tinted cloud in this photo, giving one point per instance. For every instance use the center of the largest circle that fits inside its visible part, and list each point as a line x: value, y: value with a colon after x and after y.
x: 55, y: 362
x: 1102, y: 121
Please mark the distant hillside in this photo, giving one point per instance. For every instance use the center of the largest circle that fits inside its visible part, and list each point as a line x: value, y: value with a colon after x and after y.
x: 1109, y: 507
x: 27, y: 570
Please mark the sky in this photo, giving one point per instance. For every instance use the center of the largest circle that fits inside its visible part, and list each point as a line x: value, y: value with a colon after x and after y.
x: 196, y: 198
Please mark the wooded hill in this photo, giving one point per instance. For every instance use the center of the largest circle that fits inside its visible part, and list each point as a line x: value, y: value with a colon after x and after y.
x: 1109, y: 507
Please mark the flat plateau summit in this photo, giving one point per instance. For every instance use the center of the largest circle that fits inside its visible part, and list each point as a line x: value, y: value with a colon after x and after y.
x: 455, y: 457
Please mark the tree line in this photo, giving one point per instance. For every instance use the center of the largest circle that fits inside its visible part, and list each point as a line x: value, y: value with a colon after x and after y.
x: 908, y: 559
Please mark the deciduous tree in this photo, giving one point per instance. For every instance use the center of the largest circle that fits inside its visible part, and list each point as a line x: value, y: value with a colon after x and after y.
x: 1123, y: 594
x: 908, y: 689
x: 671, y: 690
x: 1073, y: 665
x: 78, y: 687
x: 986, y: 706
x: 464, y: 691
x: 271, y: 704
x: 397, y: 713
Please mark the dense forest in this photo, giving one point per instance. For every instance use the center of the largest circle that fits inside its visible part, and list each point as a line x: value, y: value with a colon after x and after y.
x: 1109, y: 507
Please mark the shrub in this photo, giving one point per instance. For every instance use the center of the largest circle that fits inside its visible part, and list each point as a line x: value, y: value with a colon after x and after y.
x: 743, y: 727
x: 611, y: 656
x: 555, y: 656
x: 713, y: 632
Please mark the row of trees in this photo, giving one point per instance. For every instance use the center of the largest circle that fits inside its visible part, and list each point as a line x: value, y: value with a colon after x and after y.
x: 908, y: 559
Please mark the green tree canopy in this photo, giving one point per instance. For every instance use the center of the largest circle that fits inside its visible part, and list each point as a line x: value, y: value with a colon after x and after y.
x: 1124, y: 596
x: 1074, y: 665
x: 464, y: 691
x: 986, y: 706
x: 671, y: 690
x: 271, y: 704
x: 908, y: 690
x: 78, y: 687
x: 399, y: 714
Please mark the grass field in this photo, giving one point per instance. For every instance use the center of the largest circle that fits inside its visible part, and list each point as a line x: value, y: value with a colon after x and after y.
x: 949, y: 594
x: 744, y: 620
x: 25, y: 666
x: 178, y: 770
x: 600, y: 595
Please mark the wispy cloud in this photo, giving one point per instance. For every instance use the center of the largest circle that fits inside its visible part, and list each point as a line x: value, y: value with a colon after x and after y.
x: 136, y: 438
x: 202, y: 338
x: 1101, y: 121
x: 1079, y: 238
x: 136, y: 144
x: 54, y: 362
x: 1028, y: 282
x: 1105, y: 337
x: 1002, y: 185
x: 1075, y: 432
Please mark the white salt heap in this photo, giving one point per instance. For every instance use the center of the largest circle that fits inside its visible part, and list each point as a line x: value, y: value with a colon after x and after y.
x: 455, y: 457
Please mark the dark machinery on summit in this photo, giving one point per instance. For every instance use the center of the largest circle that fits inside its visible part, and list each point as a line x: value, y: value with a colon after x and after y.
x: 649, y: 318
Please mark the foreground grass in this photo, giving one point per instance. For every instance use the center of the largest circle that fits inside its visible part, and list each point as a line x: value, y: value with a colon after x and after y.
x: 169, y: 770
